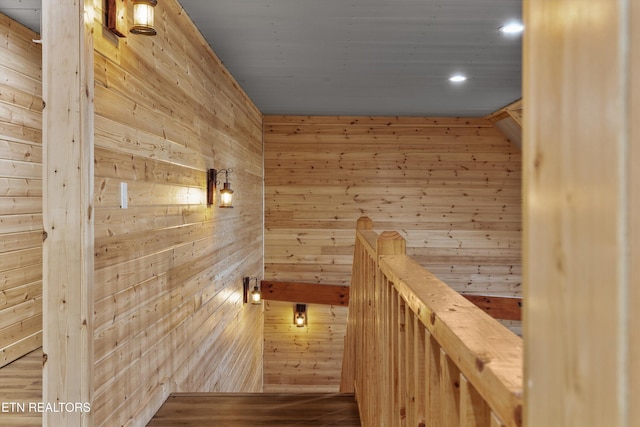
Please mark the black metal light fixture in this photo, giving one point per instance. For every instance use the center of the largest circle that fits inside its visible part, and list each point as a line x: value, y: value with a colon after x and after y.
x: 300, y: 315
x: 143, y: 17
x: 226, y: 193
x: 250, y: 293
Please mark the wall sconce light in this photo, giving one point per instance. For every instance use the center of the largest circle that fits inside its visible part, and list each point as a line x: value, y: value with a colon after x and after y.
x: 252, y: 294
x: 300, y: 315
x: 143, y: 17
x: 226, y: 193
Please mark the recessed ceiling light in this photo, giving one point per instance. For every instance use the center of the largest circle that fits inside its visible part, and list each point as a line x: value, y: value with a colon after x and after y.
x: 512, y: 28
x: 457, y: 78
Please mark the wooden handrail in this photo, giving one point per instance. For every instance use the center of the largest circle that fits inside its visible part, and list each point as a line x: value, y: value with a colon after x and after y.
x: 419, y: 353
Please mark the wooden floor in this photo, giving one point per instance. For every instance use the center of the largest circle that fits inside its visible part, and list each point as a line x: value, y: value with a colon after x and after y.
x: 20, y: 384
x: 257, y: 409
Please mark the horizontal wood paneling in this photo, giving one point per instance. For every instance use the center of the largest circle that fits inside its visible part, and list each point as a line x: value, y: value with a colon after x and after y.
x: 451, y: 186
x: 307, y: 358
x: 169, y: 315
x: 20, y: 191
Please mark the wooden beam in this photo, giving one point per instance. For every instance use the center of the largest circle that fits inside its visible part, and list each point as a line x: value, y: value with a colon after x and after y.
x: 68, y: 256
x: 513, y: 110
x: 509, y: 120
x: 502, y: 308
x: 309, y: 293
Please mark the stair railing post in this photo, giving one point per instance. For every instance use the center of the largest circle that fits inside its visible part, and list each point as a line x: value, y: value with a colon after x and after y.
x: 352, y: 340
x: 385, y: 357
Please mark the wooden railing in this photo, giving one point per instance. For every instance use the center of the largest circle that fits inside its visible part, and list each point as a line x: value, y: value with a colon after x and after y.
x: 419, y: 354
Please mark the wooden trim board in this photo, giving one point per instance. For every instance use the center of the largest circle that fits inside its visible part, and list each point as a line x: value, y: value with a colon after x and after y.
x: 310, y: 293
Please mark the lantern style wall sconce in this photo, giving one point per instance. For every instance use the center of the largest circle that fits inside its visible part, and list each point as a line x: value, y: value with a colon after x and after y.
x: 143, y: 17
x: 250, y: 293
x: 300, y: 315
x: 226, y: 193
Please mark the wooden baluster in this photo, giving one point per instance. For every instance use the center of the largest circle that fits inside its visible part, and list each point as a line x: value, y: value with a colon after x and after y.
x: 474, y: 411
x: 364, y: 359
x: 449, y: 391
x: 385, y: 383
x: 401, y: 363
x: 359, y: 323
x: 420, y: 383
x: 409, y: 370
x: 393, y: 353
x: 432, y: 379
x: 374, y: 347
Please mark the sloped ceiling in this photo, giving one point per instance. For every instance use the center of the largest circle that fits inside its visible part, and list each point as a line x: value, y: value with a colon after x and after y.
x: 359, y: 57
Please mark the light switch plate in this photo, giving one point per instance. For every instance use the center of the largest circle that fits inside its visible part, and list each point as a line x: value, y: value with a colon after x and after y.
x: 124, y: 198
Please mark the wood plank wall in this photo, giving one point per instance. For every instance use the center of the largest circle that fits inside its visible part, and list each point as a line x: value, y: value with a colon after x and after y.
x: 168, y: 294
x: 20, y: 191
x: 306, y: 359
x: 451, y: 186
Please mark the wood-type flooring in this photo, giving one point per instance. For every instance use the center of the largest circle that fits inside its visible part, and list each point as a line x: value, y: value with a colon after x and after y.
x: 20, y: 386
x: 257, y: 409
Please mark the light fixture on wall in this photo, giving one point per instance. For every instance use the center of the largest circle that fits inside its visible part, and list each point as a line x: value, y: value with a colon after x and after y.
x: 250, y: 293
x: 300, y: 315
x: 143, y: 17
x: 226, y: 193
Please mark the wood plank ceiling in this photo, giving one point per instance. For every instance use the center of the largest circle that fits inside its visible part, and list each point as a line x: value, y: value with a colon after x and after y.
x: 359, y: 57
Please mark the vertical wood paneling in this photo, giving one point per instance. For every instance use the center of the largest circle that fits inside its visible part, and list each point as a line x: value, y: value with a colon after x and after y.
x: 20, y: 191
x: 168, y: 300
x: 303, y: 359
x: 450, y: 186
x: 580, y: 213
